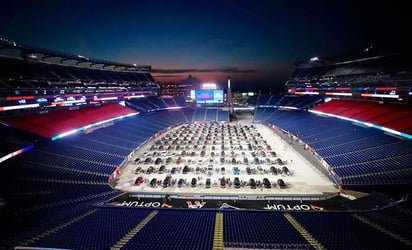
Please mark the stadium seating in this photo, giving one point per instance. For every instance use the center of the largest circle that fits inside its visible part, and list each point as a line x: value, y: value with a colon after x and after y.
x: 223, y: 115
x: 329, y: 229
x: 60, y: 121
x: 171, y: 229
x: 287, y: 101
x: 356, y: 154
x: 271, y: 229
x: 394, y: 116
x: 55, y: 194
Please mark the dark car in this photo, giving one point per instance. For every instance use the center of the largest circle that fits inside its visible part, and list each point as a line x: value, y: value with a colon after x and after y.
x: 153, y: 182
x: 137, y: 160
x: 158, y: 161
x: 162, y: 169
x: 248, y: 170
x: 266, y: 183
x: 233, y: 161
x: 273, y: 170
x: 236, y: 182
x: 166, y: 181
x: 281, y: 184
x: 186, y: 169
x: 285, y: 170
x: 256, y: 160
x: 180, y: 183
x: 208, y: 182
x: 193, y: 182
x: 252, y: 183
x: 173, y: 171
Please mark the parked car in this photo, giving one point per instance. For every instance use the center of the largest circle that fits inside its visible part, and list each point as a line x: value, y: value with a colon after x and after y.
x: 208, y: 183
x: 153, y: 182
x: 138, y: 170
x: 193, y: 182
x: 166, y: 181
x: 266, y: 183
x: 285, y: 171
x: 281, y: 184
x: 139, y: 180
x: 222, y: 182
x: 158, y: 161
x: 236, y: 182
x: 252, y: 183
x: 186, y: 169
x: 162, y: 169
x: 180, y: 183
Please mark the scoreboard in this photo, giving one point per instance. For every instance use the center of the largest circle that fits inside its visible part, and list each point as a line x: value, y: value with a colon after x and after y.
x: 209, y: 96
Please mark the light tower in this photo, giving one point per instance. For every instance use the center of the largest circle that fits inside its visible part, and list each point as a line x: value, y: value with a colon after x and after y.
x: 229, y: 100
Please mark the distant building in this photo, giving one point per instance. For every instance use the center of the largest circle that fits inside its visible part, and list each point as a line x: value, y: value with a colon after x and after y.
x: 182, y: 88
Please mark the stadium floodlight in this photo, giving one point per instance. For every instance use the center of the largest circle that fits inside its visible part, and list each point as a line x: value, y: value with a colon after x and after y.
x: 83, y: 57
x: 209, y: 85
x: 32, y: 56
x: 134, y: 64
x: 314, y: 59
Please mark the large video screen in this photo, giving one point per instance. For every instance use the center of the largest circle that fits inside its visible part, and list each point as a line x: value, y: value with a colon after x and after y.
x: 209, y: 96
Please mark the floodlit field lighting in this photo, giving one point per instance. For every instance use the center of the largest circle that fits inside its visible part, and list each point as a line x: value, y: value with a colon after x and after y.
x: 209, y: 85
x: 314, y: 59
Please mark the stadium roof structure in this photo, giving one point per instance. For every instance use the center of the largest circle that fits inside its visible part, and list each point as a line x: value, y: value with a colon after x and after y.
x: 30, y: 52
x: 365, y: 69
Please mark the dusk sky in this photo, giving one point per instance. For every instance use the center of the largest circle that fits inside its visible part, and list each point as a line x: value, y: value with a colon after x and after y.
x: 256, y: 42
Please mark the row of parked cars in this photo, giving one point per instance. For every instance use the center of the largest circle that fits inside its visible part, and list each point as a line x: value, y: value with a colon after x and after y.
x: 167, y: 182
x: 254, y: 184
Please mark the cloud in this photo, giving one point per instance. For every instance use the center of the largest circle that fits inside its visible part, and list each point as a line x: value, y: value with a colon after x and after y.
x: 216, y: 70
x: 167, y: 76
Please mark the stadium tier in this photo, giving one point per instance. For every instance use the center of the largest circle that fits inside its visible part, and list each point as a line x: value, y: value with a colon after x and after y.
x: 394, y: 116
x: 58, y: 122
